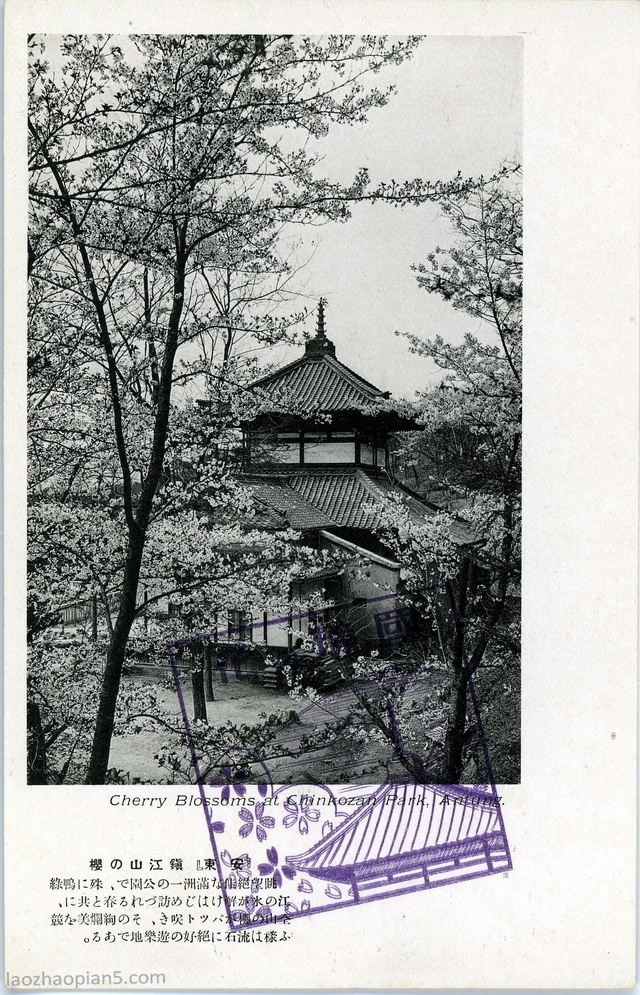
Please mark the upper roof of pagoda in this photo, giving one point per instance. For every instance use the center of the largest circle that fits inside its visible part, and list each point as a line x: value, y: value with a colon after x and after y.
x: 318, y: 381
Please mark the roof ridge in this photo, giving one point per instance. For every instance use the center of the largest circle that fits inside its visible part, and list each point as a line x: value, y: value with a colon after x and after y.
x: 317, y: 469
x: 369, y: 484
x: 328, y: 841
x: 351, y: 374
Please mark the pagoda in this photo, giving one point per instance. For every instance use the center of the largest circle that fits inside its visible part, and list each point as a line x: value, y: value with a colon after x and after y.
x: 316, y: 457
x: 317, y: 450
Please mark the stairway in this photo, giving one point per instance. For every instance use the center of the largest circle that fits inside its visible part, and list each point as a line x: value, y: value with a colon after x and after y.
x: 271, y: 677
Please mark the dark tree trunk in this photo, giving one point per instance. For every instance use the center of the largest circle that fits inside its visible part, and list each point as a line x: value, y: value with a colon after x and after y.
x: 208, y: 674
x: 94, y: 618
x: 454, y: 740
x: 138, y: 524
x: 36, y: 747
x: 197, y: 684
x: 99, y: 761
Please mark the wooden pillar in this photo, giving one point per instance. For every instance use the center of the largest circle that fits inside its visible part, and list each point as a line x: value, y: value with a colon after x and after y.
x: 197, y: 684
x: 265, y: 629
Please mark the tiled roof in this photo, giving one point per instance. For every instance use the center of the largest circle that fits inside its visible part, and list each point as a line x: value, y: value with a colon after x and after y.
x: 377, y: 832
x: 348, y: 498
x: 291, y: 508
x: 355, y: 500
x: 342, y: 497
x: 319, y: 383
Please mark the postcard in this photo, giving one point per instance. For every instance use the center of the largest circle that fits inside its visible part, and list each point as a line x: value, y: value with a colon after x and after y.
x: 321, y: 495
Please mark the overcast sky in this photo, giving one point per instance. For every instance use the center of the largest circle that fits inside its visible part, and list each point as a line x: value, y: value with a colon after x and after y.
x: 458, y: 107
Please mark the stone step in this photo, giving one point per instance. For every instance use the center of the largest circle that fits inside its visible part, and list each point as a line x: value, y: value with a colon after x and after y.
x: 271, y: 678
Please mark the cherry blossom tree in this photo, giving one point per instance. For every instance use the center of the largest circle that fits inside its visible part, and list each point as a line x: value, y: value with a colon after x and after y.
x: 461, y: 567
x: 207, y: 552
x: 149, y: 157
x: 472, y: 441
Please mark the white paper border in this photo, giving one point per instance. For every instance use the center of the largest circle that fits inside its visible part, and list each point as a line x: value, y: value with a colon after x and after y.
x: 565, y: 916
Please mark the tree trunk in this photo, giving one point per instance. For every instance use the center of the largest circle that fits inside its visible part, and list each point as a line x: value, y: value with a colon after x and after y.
x: 36, y: 749
x: 94, y: 618
x: 137, y: 524
x: 197, y: 684
x: 99, y: 761
x: 454, y: 740
x: 208, y: 674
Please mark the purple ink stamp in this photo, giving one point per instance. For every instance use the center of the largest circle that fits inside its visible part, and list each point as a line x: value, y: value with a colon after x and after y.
x: 287, y: 843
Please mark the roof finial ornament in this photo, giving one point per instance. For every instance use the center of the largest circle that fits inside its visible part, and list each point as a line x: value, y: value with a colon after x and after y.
x: 320, y: 333
x: 320, y: 345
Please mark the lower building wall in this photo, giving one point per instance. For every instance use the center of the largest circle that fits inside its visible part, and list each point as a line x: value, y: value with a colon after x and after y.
x: 369, y: 585
x: 361, y: 595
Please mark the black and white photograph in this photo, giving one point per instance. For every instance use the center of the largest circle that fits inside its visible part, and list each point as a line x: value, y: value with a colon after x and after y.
x: 274, y: 409
x: 320, y: 508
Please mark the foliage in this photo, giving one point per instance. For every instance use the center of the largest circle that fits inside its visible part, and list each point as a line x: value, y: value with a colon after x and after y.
x: 231, y: 749
x: 472, y: 434
x: 163, y: 169
x: 472, y: 420
x: 461, y: 568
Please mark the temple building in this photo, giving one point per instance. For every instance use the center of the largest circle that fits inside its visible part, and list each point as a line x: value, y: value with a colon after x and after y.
x: 316, y: 455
